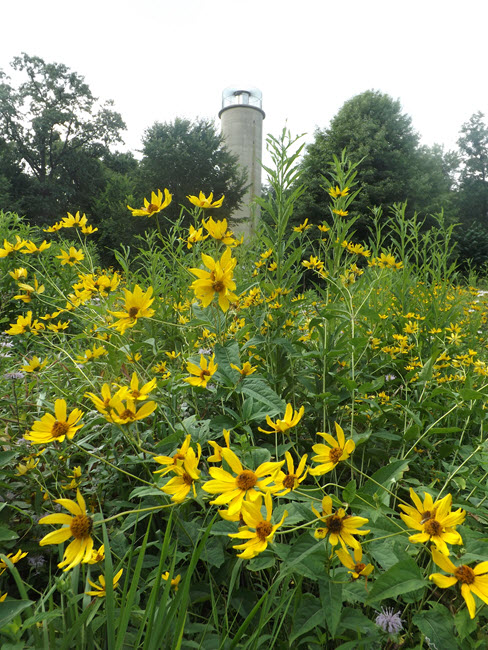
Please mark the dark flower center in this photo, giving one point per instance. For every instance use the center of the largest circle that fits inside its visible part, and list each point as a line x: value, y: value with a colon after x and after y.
x: 133, y: 311
x: 187, y: 479
x: 218, y: 286
x: 359, y: 567
x: 465, y: 574
x: 263, y: 529
x: 289, y: 481
x: 334, y: 524
x: 433, y: 527
x: 152, y: 207
x: 81, y: 526
x: 59, y: 429
x: 335, y: 454
x: 127, y: 415
x: 246, y: 480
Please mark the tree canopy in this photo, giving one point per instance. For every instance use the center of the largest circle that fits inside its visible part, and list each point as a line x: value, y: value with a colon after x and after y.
x: 56, y: 131
x: 188, y: 157
x: 394, y: 168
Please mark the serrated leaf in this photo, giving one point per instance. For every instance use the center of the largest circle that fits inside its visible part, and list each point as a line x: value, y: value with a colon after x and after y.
x: 401, y: 578
x: 261, y: 392
x: 310, y: 615
x: 437, y: 625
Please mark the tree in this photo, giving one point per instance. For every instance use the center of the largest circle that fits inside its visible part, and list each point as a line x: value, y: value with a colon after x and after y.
x: 189, y: 157
x: 57, y: 131
x: 473, y: 182
x: 393, y: 168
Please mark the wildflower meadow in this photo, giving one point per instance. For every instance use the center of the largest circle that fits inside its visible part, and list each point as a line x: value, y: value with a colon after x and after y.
x: 227, y: 444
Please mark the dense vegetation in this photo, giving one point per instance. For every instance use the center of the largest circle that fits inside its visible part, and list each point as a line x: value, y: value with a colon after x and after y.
x: 271, y: 444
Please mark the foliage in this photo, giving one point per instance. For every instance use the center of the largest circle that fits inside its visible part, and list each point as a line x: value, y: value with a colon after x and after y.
x: 57, y: 132
x: 373, y: 130
x: 348, y: 379
x: 188, y: 157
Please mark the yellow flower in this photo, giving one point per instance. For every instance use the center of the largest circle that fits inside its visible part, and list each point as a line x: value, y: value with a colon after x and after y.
x: 161, y: 369
x: 218, y: 230
x: 126, y: 413
x: 23, y: 469
x: 216, y: 281
x: 54, y: 228
x: 187, y: 474
x: 217, y: 457
x: 57, y: 327
x: 195, y: 236
x: 34, y: 365
x: 329, y: 457
x: 246, y: 369
x: 264, y: 530
x: 107, y: 401
x: 52, y: 428
x: 341, y: 213
x: 25, y: 324
x: 233, y: 489
x: 202, y: 373
x: 175, y: 460
x: 435, y: 521
x: 174, y: 582
x: 29, y: 289
x: 157, y: 204
x: 134, y: 392
x: 136, y: 306
x: 97, y: 556
x: 203, y: 202
x: 88, y: 230
x: 11, y: 248
x: 90, y: 355
x: 31, y: 248
x: 337, y: 192
x: 13, y: 558
x: 79, y: 526
x: 19, y: 274
x: 285, y: 483
x: 290, y: 419
x: 356, y: 565
x: 473, y: 581
x: 339, y: 526
x: 101, y: 589
x: 313, y: 263
x: 73, y: 257
x: 70, y: 221
x: 303, y: 226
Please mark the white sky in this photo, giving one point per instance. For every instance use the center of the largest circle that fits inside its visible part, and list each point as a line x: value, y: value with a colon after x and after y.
x: 161, y: 59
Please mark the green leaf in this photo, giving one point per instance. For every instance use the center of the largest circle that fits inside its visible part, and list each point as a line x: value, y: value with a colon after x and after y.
x: 437, y: 625
x: 9, y: 609
x: 6, y: 457
x: 310, y: 615
x: 401, y: 578
x: 468, y: 394
x: 331, y: 599
x: 386, y: 476
x: 224, y: 356
x: 6, y: 534
x: 263, y: 394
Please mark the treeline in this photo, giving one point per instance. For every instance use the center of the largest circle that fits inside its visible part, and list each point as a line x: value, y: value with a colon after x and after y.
x: 395, y: 167
x: 58, y: 154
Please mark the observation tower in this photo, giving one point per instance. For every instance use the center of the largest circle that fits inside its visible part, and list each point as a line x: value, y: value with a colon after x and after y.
x: 241, y: 119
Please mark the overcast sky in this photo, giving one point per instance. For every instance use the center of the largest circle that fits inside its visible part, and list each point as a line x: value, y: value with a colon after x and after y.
x: 160, y: 59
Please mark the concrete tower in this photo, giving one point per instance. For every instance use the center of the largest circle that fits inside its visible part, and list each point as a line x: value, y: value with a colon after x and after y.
x: 242, y: 118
